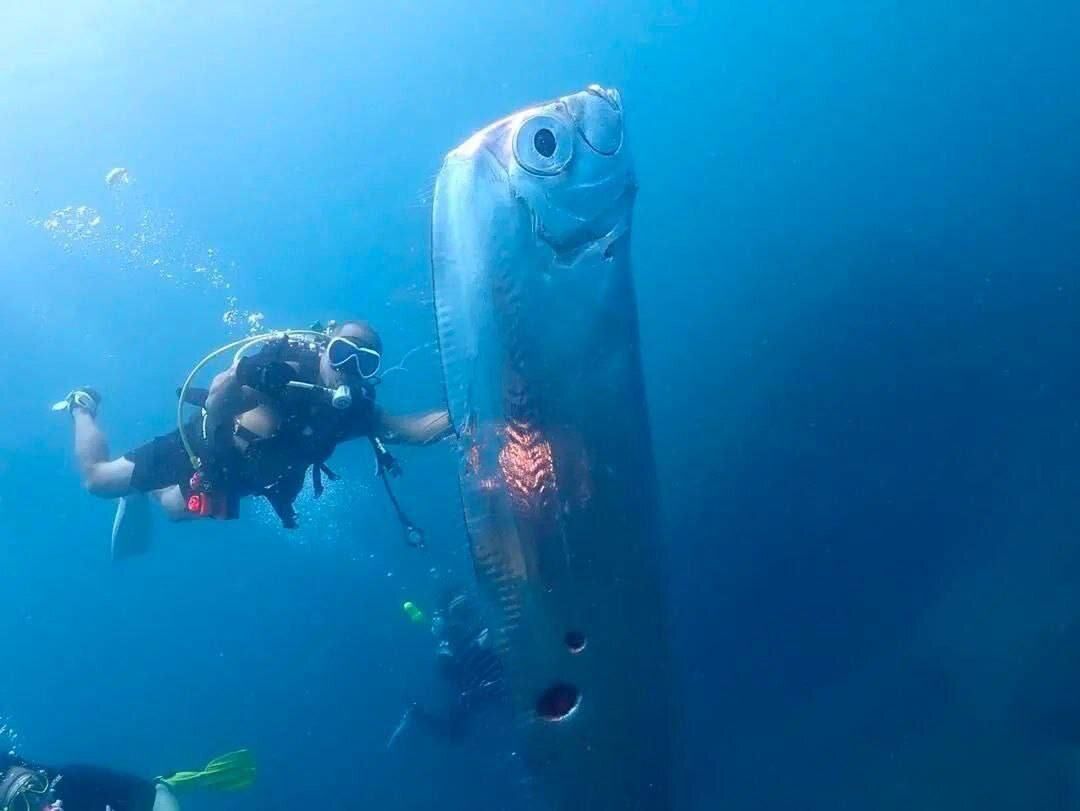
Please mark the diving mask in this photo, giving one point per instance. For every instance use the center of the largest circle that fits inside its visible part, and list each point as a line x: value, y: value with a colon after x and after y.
x: 346, y: 353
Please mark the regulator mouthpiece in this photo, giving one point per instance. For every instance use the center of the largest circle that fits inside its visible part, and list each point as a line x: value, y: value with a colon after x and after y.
x: 341, y: 398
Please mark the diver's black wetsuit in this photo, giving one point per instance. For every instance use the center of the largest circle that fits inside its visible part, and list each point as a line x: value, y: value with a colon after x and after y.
x: 88, y: 788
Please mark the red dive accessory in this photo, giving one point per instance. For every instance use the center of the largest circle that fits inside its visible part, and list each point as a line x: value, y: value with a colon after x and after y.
x: 206, y: 503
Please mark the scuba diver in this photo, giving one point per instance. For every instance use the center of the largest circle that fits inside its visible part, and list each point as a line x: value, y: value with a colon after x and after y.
x: 468, y: 667
x: 26, y: 786
x: 264, y: 422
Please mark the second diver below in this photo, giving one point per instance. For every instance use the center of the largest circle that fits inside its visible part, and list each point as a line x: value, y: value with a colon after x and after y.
x: 264, y: 422
x: 468, y: 667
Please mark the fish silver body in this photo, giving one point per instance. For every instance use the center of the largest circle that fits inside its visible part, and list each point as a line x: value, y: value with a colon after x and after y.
x: 538, y: 333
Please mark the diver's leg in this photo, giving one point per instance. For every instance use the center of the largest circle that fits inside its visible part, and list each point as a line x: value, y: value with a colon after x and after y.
x: 108, y: 478
x: 164, y: 799
x: 174, y: 504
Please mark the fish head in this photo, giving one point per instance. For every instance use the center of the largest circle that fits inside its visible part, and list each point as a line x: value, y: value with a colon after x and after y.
x: 566, y: 163
x: 531, y: 227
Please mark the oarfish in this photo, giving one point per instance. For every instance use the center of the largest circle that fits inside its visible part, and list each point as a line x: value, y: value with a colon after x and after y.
x: 538, y: 333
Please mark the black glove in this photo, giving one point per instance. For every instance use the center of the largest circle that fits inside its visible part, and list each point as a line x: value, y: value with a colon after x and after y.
x: 268, y: 377
x: 390, y: 465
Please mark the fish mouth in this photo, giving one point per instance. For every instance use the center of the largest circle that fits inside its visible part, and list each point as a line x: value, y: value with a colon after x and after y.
x: 589, y: 238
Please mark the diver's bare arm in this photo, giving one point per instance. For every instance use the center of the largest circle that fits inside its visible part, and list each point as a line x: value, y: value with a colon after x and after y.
x: 228, y: 398
x: 425, y: 428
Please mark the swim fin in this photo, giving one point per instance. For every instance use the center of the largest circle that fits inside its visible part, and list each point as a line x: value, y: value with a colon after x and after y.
x: 194, y: 396
x: 133, y: 526
x: 230, y: 772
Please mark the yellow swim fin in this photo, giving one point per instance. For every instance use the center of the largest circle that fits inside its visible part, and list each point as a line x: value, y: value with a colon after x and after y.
x: 230, y: 772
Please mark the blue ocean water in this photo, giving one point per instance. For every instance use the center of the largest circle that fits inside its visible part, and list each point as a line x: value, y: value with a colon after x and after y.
x: 855, y: 260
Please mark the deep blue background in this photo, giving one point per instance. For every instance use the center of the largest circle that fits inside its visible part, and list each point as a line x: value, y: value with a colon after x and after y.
x: 855, y: 254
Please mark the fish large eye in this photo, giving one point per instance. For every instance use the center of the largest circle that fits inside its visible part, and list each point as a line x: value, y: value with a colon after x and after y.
x: 543, y: 145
